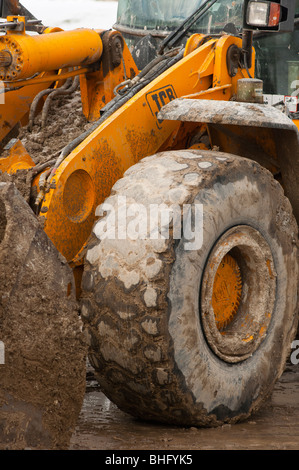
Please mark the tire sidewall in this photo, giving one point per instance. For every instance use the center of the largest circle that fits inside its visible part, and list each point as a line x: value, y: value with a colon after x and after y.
x: 223, y: 388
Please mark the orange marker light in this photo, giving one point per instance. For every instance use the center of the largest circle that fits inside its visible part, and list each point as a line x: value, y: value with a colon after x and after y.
x: 274, y: 16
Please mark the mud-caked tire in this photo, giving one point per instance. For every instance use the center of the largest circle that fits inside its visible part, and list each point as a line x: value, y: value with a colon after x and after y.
x: 172, y: 337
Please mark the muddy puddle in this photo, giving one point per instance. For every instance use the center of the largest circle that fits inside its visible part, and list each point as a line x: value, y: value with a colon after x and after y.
x: 102, y: 426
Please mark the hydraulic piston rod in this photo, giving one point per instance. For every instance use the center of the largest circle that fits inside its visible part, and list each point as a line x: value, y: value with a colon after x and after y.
x: 22, y: 55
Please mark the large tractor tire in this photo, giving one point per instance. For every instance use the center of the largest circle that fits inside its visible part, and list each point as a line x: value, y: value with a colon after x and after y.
x: 42, y: 347
x: 192, y: 333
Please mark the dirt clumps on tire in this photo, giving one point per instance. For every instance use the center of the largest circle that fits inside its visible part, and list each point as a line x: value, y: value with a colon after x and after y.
x: 43, y: 372
x: 155, y: 347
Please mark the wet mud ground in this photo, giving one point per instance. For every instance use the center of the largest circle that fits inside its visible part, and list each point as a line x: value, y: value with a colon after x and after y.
x: 102, y: 426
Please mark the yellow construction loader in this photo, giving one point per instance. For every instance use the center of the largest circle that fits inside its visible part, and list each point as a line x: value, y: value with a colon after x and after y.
x: 148, y: 213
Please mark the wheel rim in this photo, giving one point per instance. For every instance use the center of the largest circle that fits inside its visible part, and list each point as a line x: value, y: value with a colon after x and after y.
x: 238, y: 294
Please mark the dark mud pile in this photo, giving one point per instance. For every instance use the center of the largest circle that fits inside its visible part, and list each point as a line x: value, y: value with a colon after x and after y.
x: 43, y: 378
x: 65, y: 121
x: 3, y: 220
x: 44, y: 375
x: 21, y: 179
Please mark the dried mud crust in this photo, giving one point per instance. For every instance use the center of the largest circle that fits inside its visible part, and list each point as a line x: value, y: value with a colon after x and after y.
x: 141, y: 298
x: 65, y: 122
x: 22, y: 181
x: 43, y: 378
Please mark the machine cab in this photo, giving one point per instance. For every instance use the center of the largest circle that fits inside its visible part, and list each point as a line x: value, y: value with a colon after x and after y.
x: 145, y: 24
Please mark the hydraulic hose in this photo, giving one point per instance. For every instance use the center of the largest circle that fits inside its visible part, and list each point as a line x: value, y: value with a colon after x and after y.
x: 146, y: 77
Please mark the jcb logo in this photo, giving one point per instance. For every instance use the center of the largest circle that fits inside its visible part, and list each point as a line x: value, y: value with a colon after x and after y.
x: 158, y: 98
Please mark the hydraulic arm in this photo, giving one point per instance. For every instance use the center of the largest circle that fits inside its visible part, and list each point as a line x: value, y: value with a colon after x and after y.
x: 22, y: 55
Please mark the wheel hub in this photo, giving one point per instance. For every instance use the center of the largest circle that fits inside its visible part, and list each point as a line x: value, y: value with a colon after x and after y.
x: 238, y: 294
x: 227, y: 292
